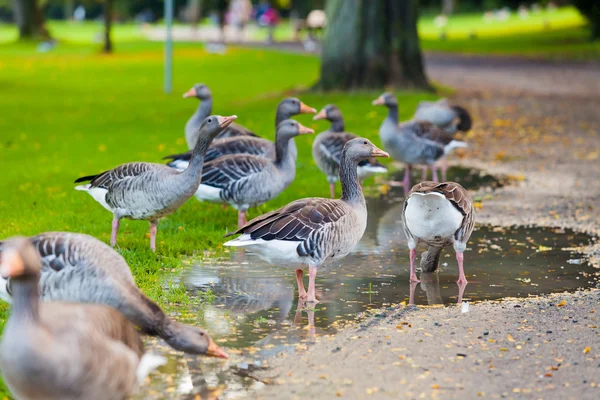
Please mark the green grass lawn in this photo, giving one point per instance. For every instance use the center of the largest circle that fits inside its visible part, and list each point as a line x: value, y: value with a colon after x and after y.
x: 74, y: 112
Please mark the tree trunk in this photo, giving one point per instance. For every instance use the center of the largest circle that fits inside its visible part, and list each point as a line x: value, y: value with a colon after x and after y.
x: 591, y: 10
x: 371, y: 44
x: 68, y: 9
x: 407, y: 60
x: 29, y: 19
x: 447, y: 7
x: 108, y: 14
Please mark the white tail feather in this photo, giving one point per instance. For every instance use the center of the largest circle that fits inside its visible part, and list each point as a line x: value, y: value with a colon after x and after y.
x: 4, y: 290
x: 85, y: 188
x: 148, y: 363
x: 455, y: 144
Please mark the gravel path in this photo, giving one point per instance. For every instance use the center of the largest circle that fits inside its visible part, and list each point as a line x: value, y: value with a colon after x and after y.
x: 539, y: 124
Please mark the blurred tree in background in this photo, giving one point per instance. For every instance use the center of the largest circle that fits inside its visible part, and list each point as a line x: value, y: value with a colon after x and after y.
x: 591, y: 10
x: 29, y: 19
x: 372, y: 44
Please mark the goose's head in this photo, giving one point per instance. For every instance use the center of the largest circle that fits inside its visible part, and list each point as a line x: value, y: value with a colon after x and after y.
x: 387, y: 99
x: 199, y: 91
x: 362, y: 149
x: 194, y: 340
x: 214, y: 124
x: 290, y: 128
x: 19, y: 259
x: 293, y: 106
x: 330, y: 112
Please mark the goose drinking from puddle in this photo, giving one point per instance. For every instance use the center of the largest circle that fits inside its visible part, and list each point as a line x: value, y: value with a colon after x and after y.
x: 148, y: 191
x: 413, y: 142
x: 244, y: 180
x: 311, y: 231
x: 79, y: 268
x: 65, y: 351
x: 440, y: 215
x: 192, y: 126
x: 327, y: 148
x: 246, y: 144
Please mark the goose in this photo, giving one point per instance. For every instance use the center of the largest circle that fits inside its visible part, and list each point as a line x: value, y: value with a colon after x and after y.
x: 438, y: 214
x: 328, y: 146
x: 65, y: 351
x: 192, y: 126
x: 413, y: 142
x: 147, y: 191
x: 286, y: 109
x: 243, y: 180
x: 450, y: 118
x: 312, y: 231
x: 82, y: 269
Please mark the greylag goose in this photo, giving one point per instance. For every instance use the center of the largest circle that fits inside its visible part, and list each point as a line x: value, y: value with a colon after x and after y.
x: 81, y: 269
x: 309, y: 232
x: 192, y: 126
x: 327, y: 148
x: 244, y: 180
x: 148, y: 191
x: 438, y: 214
x: 413, y: 142
x: 450, y: 118
x: 60, y: 351
x: 286, y: 109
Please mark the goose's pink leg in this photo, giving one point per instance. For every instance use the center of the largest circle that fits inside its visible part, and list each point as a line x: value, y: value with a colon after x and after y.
x: 332, y: 190
x: 444, y: 169
x: 411, y: 296
x: 113, y: 234
x: 241, y: 218
x: 301, y: 291
x: 406, y: 181
x: 153, y: 229
x: 424, y: 176
x: 413, y: 257
x: 461, y: 291
x: 461, y: 272
x: 312, y: 275
x: 434, y: 173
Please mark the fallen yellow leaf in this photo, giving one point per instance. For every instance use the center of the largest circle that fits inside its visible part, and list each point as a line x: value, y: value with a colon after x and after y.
x: 586, y: 350
x: 562, y: 303
x: 510, y: 338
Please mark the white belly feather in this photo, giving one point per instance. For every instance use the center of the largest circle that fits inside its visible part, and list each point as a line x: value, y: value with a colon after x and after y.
x: 431, y: 215
x: 209, y: 193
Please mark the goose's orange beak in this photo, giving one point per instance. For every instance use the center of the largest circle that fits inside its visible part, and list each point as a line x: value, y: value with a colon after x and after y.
x: 215, y: 351
x: 377, y: 152
x: 304, y: 109
x: 224, y: 122
x: 303, y: 130
x: 378, y: 101
x: 321, y: 115
x: 190, y: 93
x: 11, y: 264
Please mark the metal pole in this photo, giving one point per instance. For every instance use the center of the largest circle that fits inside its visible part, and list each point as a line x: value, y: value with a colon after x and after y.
x: 169, y: 46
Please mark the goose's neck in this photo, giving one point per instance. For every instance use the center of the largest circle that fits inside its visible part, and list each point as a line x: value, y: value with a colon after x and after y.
x: 204, y: 109
x: 283, y: 151
x: 26, y: 299
x: 351, y: 189
x: 194, y: 169
x: 337, y: 125
x: 393, y: 114
x: 282, y: 116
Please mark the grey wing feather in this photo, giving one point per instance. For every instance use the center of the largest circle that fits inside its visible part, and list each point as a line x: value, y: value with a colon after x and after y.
x: 333, y: 144
x: 240, y: 145
x: 226, y: 170
x: 125, y: 171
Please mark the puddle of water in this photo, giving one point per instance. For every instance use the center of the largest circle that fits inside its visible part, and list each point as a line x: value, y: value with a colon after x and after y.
x: 254, y: 311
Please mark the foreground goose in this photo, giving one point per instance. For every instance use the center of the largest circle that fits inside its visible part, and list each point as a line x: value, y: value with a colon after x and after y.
x: 148, y: 191
x: 65, y: 351
x: 244, y: 180
x: 450, y: 118
x: 286, y: 109
x: 309, y: 232
x: 82, y: 269
x: 327, y: 148
x: 438, y: 214
x: 192, y: 126
x: 413, y: 142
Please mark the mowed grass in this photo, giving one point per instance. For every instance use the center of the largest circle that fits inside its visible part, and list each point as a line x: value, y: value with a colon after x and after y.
x: 75, y: 112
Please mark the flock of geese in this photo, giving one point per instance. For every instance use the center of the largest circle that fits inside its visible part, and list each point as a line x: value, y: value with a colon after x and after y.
x: 74, y: 297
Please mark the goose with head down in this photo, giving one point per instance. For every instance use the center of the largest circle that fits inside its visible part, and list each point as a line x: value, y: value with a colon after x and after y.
x: 413, y: 142
x: 312, y: 231
x: 148, y: 191
x: 327, y: 149
x: 192, y: 127
x: 78, y: 268
x: 255, y: 145
x: 65, y: 351
x: 244, y: 180
x: 440, y: 215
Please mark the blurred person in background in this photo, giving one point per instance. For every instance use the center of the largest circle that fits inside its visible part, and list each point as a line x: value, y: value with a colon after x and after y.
x: 240, y: 12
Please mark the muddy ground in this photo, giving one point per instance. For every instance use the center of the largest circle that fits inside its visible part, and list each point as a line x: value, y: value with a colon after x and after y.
x: 537, y: 123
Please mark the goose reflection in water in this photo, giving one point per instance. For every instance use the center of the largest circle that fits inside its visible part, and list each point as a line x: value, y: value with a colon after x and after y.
x: 430, y: 284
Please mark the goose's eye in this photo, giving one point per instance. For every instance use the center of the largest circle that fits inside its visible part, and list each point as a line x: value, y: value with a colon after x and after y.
x: 201, y: 333
x: 364, y: 142
x: 209, y: 120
